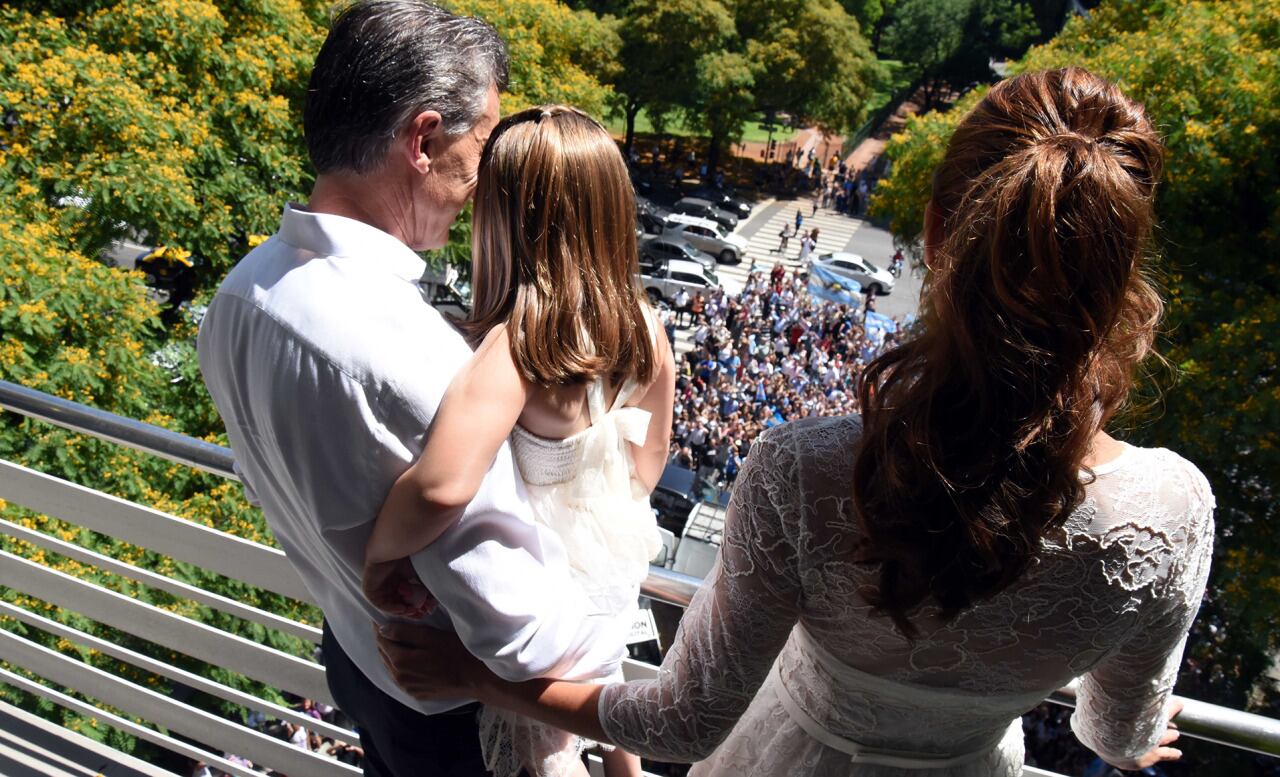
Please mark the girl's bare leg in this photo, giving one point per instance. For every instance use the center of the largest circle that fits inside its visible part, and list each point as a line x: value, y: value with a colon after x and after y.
x: 577, y: 769
x: 619, y: 763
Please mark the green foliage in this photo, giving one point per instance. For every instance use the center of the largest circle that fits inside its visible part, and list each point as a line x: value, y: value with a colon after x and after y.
x: 720, y: 63
x: 810, y: 61
x: 557, y: 55
x: 174, y: 122
x: 867, y: 12
x: 1207, y: 74
x: 948, y: 44
x: 926, y: 33
x: 660, y: 59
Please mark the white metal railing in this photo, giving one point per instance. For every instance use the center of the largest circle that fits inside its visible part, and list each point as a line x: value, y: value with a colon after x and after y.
x: 258, y: 565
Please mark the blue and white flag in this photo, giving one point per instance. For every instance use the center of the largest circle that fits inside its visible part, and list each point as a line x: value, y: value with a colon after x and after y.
x: 828, y: 286
x: 879, y: 322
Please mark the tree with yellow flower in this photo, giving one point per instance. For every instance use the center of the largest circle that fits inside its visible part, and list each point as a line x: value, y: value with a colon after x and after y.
x: 172, y: 123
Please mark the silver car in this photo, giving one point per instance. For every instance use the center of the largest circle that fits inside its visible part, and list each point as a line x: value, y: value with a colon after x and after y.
x: 657, y: 250
x: 706, y: 235
x: 662, y: 282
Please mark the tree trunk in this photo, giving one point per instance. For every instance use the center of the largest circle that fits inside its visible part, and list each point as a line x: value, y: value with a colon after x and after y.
x: 633, y: 109
x: 713, y: 154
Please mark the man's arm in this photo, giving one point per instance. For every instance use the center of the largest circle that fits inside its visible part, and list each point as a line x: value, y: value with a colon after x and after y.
x: 505, y: 584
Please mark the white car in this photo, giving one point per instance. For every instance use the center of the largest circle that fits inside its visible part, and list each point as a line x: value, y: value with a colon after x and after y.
x: 663, y: 281
x: 706, y: 235
x: 875, y: 279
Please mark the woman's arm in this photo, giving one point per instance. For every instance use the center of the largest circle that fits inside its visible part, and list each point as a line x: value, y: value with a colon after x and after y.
x: 432, y: 664
x: 659, y: 399
x: 1124, y: 704
x: 477, y: 413
x: 728, y: 639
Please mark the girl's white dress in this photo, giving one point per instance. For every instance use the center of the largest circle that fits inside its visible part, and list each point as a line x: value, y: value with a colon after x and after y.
x: 582, y: 488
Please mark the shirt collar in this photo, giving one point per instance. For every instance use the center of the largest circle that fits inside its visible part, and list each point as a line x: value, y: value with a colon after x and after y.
x: 328, y: 235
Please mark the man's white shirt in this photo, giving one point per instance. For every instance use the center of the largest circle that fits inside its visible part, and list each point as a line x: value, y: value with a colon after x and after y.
x: 327, y: 365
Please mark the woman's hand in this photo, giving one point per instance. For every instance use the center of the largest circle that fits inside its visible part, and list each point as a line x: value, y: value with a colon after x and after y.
x: 394, y: 588
x: 431, y: 664
x: 1160, y: 752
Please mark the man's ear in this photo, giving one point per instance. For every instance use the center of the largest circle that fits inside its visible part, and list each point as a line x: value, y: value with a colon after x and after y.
x: 416, y: 145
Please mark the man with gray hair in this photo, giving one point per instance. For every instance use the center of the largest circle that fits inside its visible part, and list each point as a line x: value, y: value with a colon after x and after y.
x: 327, y: 365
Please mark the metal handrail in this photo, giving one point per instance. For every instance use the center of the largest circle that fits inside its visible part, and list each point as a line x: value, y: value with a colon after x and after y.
x: 138, y: 435
x: 1201, y: 720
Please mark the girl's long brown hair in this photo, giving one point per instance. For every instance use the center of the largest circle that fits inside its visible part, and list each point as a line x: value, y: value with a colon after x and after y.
x: 554, y: 251
x: 1035, y: 313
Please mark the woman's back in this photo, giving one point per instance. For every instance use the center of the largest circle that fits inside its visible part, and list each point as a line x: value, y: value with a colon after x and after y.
x: 1112, y: 593
x: 1145, y: 517
x: 1111, y: 597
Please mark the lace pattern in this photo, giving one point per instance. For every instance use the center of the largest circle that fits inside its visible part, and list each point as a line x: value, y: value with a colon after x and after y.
x: 1110, y: 598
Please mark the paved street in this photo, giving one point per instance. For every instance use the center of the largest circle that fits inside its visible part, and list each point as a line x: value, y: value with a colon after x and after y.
x: 836, y: 232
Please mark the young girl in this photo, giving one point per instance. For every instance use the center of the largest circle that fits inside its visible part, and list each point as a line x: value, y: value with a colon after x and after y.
x: 572, y: 367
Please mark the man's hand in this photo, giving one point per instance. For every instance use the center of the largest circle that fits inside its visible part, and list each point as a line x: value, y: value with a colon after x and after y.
x: 431, y: 664
x: 394, y: 588
x: 1160, y: 752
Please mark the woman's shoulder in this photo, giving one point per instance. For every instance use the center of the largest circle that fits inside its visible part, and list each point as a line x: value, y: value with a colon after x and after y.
x: 804, y: 435
x: 815, y: 453
x: 1152, y: 502
x: 1158, y: 478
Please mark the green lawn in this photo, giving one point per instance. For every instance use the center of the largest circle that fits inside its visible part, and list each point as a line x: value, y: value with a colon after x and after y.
x: 751, y: 133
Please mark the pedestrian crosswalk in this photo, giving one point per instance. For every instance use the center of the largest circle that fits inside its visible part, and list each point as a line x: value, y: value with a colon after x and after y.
x: 761, y: 230
x: 834, y: 233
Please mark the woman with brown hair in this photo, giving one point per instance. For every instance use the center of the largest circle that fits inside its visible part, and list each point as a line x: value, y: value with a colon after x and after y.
x: 573, y: 367
x: 895, y: 590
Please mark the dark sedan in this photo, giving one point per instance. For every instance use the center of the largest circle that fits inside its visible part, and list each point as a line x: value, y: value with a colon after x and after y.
x: 724, y: 201
x: 704, y: 209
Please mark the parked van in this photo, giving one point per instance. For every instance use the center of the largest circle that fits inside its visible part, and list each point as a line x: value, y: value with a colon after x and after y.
x: 662, y: 281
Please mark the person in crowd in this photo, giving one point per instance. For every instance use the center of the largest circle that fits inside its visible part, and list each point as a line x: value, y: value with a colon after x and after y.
x: 697, y: 307
x: 296, y: 735
x: 667, y: 318
x: 681, y: 302
x: 895, y: 267
x: 575, y: 371
x: 807, y: 245
x: 326, y: 364
x: 784, y: 236
x: 874, y: 611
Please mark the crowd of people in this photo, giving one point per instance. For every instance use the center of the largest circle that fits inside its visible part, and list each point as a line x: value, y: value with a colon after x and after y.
x: 768, y: 355
x: 295, y: 734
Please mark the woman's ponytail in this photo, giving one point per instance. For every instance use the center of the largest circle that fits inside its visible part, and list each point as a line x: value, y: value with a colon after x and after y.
x: 1037, y: 310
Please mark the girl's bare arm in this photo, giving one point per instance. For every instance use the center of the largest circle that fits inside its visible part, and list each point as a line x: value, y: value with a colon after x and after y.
x: 476, y: 415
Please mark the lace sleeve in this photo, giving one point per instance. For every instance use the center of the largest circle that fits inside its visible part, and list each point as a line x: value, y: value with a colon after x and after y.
x: 1122, y: 703
x: 734, y: 628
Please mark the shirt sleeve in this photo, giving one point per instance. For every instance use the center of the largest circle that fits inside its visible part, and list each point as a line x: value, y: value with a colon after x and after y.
x: 734, y: 628
x: 250, y: 495
x: 1122, y: 704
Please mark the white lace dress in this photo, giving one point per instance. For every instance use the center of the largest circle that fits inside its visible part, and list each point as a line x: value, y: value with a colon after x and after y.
x: 780, y: 669
x: 582, y: 487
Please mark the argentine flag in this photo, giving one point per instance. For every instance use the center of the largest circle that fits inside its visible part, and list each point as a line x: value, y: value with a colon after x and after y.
x: 878, y: 322
x: 828, y: 286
